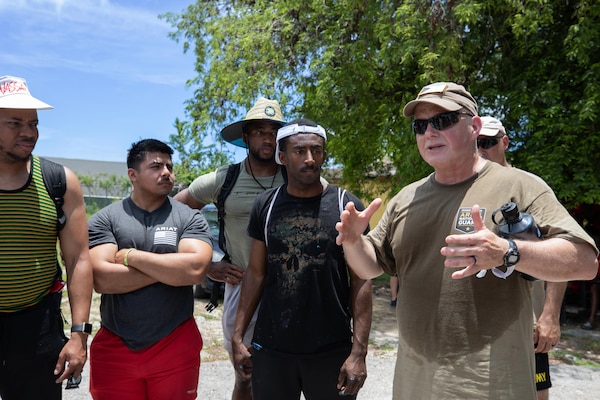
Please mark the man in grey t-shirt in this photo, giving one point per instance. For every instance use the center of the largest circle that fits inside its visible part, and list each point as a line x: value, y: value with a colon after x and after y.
x: 147, y: 252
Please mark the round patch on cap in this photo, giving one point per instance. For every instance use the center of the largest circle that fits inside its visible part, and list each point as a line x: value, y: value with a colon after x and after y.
x: 270, y: 111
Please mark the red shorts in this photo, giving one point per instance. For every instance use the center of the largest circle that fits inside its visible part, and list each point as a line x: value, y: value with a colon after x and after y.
x: 168, y: 369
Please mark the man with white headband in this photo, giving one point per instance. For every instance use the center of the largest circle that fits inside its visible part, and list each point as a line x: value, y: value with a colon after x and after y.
x: 35, y: 354
x: 256, y: 173
x: 314, y: 316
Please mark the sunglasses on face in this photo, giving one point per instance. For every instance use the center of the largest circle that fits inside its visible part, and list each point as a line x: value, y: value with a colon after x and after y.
x: 488, y: 142
x: 439, y: 122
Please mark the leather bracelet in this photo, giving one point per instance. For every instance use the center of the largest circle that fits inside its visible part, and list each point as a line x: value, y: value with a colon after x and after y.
x: 126, y: 259
x: 85, y: 328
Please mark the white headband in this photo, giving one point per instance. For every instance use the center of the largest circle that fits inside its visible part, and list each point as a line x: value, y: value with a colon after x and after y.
x: 293, y: 129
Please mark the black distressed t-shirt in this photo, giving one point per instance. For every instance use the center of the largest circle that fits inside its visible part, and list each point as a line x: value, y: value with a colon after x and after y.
x: 305, y: 302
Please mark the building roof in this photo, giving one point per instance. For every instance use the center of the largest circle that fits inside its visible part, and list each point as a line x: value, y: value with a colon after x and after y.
x: 92, y: 167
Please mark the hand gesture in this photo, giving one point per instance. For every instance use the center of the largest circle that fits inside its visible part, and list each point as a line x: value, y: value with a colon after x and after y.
x: 477, y: 251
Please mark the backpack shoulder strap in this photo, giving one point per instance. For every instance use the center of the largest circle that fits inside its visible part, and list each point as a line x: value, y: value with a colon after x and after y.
x: 341, y: 194
x: 55, y: 181
x: 268, y: 217
x: 233, y: 171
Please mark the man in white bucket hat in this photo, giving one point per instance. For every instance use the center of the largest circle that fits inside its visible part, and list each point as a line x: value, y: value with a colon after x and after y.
x: 255, y: 174
x: 36, y: 356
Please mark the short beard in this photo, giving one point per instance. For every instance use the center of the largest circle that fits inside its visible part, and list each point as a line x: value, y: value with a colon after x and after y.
x: 17, y: 157
x: 256, y: 156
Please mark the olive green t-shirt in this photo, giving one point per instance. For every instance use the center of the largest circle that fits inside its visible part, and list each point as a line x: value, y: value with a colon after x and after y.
x: 466, y: 338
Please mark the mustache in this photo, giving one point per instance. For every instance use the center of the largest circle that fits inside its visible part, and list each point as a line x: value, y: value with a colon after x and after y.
x: 310, y: 168
x: 27, y: 140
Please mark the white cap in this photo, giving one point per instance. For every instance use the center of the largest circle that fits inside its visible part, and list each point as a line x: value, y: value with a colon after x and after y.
x: 491, y: 127
x: 14, y: 93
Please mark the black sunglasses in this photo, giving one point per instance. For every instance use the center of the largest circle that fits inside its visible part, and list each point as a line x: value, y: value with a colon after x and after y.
x: 487, y: 143
x: 440, y: 122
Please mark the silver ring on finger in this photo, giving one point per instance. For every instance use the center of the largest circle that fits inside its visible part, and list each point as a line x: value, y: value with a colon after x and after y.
x: 474, y: 261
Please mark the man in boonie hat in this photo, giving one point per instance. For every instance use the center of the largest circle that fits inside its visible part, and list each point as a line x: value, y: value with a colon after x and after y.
x: 38, y: 357
x: 264, y: 110
x: 492, y: 141
x: 247, y: 179
x: 306, y: 338
x: 438, y: 235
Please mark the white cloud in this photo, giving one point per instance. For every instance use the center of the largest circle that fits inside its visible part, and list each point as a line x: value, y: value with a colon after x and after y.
x: 93, y: 36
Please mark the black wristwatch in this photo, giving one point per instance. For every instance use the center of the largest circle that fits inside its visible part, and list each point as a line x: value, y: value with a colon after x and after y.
x: 512, y: 256
x: 85, y: 328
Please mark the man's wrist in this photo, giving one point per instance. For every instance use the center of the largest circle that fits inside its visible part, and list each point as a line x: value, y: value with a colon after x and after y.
x: 126, y: 258
x: 84, y: 328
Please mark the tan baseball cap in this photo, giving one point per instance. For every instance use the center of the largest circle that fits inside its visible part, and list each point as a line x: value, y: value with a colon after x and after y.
x: 448, y: 95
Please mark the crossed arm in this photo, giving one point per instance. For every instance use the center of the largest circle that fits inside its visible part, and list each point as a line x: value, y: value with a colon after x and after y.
x: 186, y: 267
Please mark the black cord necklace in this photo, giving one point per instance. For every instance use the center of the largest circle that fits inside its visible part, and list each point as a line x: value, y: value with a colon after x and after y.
x: 256, y: 180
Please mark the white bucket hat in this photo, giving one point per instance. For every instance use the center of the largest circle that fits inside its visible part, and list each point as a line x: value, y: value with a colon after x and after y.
x: 14, y: 93
x: 263, y: 110
x: 295, y: 128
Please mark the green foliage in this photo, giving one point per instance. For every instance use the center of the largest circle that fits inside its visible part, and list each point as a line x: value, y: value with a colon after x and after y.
x: 195, y: 157
x: 352, y: 65
x: 105, y: 185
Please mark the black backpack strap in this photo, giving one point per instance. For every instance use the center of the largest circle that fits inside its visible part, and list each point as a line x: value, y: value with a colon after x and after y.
x: 55, y: 180
x: 233, y: 171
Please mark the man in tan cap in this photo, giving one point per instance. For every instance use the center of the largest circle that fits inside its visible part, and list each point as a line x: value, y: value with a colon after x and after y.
x: 256, y: 173
x: 35, y: 355
x: 462, y: 336
x: 547, y: 297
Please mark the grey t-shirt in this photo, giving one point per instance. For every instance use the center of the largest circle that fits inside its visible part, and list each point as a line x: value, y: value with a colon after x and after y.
x: 145, y: 316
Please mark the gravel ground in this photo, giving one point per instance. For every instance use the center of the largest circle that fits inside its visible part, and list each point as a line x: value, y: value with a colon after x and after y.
x: 216, y: 374
x: 216, y: 382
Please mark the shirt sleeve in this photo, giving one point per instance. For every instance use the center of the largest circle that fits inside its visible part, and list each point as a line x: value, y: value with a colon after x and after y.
x: 206, y: 188
x: 100, y: 229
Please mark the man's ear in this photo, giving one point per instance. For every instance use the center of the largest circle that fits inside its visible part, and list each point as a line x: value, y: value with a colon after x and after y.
x: 477, y: 125
x: 505, y: 140
x: 282, y: 158
x: 132, y: 174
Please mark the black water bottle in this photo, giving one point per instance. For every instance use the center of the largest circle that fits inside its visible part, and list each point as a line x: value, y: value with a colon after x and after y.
x: 517, y: 225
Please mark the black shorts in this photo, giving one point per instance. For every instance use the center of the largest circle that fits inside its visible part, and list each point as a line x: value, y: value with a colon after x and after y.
x: 542, y: 371
x: 30, y: 342
x: 283, y: 376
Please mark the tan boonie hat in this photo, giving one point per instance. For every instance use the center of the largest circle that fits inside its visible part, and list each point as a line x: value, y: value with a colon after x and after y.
x: 14, y: 93
x: 263, y: 110
x: 491, y: 127
x: 448, y: 95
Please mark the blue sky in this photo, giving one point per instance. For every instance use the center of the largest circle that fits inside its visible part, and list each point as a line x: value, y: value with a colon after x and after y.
x: 107, y: 66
